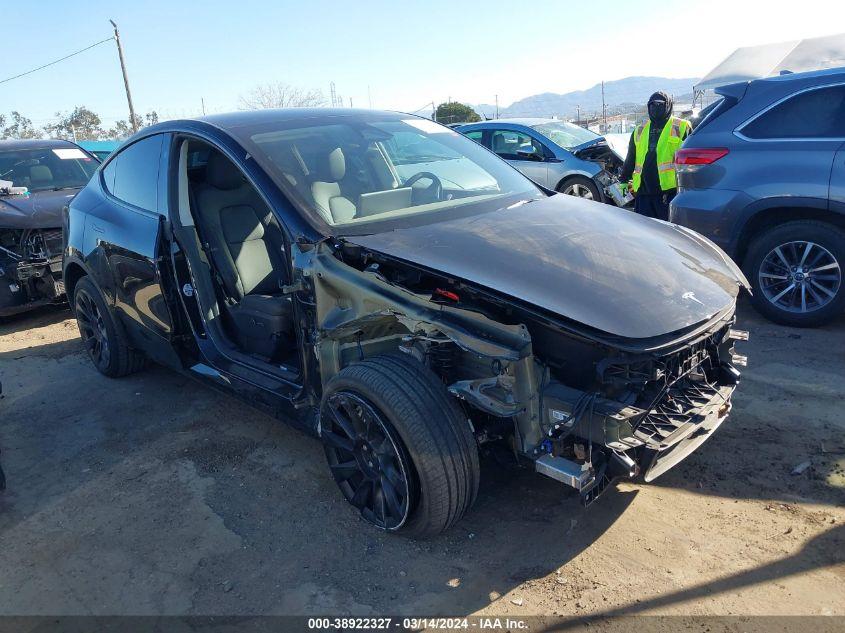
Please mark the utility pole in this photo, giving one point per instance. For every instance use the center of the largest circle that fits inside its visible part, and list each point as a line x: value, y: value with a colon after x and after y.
x: 202, y: 101
x: 578, y: 117
x: 497, y: 106
x: 132, y: 120
x: 603, y: 110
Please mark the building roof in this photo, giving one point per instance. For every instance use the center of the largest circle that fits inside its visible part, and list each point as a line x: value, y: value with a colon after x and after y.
x: 769, y: 60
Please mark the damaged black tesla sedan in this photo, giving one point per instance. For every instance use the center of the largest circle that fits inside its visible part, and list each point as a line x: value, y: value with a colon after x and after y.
x: 37, y: 179
x: 314, y: 263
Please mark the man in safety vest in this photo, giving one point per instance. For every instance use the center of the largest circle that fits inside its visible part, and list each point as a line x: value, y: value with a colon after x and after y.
x: 650, y: 164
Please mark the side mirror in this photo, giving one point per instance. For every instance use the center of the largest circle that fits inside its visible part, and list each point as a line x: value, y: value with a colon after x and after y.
x: 529, y: 152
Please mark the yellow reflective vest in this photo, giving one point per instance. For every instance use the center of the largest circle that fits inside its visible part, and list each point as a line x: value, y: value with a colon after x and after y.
x: 673, y: 134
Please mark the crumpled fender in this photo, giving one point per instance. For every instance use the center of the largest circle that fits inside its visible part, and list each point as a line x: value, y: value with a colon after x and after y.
x: 349, y: 301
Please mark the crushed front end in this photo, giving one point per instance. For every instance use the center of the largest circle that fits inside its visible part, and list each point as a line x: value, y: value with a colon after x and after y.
x: 646, y: 413
x: 30, y: 269
x: 576, y: 404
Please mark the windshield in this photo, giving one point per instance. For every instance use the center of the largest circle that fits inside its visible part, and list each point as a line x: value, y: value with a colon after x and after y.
x: 47, y: 168
x: 566, y: 135
x: 366, y: 173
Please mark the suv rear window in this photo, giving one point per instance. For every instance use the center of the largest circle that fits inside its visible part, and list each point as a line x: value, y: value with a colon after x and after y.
x: 132, y: 175
x: 818, y: 113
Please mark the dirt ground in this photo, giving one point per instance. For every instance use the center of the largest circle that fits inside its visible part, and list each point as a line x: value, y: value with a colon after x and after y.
x: 155, y: 495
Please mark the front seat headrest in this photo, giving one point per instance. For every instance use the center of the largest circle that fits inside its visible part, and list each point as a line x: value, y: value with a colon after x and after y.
x: 220, y: 173
x: 334, y: 167
x: 40, y: 174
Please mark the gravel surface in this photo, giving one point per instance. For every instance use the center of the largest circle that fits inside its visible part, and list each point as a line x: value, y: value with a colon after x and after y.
x: 156, y: 495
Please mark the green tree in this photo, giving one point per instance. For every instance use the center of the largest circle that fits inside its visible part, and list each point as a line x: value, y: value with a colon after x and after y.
x: 80, y: 124
x: 19, y: 127
x: 123, y: 129
x: 455, y: 112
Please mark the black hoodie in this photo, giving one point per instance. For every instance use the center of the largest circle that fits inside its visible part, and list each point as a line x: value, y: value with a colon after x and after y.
x: 650, y: 181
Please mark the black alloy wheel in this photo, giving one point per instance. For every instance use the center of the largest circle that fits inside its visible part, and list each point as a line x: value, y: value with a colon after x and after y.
x: 367, y: 460
x: 103, y: 335
x: 92, y: 329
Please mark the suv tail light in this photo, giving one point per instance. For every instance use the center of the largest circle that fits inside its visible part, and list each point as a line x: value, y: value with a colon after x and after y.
x: 691, y: 159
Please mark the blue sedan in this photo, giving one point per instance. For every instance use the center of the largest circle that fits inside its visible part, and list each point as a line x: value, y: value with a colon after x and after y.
x: 555, y: 154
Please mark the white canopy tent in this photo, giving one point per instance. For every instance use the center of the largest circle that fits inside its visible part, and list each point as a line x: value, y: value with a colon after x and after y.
x: 769, y: 60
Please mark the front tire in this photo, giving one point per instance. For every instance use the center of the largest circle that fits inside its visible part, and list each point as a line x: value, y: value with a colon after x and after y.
x: 103, y: 336
x: 795, y: 270
x: 580, y: 187
x: 398, y: 446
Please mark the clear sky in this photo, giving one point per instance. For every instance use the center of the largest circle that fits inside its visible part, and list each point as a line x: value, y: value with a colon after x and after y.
x: 407, y: 53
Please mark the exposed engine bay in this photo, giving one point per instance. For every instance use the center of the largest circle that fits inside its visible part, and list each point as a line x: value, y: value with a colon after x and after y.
x: 611, y: 164
x: 30, y: 268
x: 581, y: 407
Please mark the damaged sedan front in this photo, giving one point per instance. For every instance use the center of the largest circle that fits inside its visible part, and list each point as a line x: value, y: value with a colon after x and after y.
x: 37, y: 179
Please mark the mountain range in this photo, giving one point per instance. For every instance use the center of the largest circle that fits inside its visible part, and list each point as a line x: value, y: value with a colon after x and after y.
x: 630, y: 91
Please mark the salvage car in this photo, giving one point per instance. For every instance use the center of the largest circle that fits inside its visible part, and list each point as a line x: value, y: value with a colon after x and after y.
x: 557, y: 155
x: 37, y: 179
x: 409, y: 321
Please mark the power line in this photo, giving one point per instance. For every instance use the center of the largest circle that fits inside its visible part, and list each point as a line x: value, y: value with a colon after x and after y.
x: 29, y: 72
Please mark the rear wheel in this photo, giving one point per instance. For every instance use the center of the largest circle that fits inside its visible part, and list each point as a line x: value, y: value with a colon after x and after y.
x: 398, y: 446
x: 795, y: 270
x: 580, y: 187
x: 102, y: 335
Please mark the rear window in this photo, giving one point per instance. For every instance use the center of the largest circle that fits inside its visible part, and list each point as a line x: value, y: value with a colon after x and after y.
x: 818, y: 113
x: 711, y: 111
x: 132, y: 175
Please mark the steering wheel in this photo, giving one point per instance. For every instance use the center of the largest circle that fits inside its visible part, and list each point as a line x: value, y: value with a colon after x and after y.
x: 436, y: 187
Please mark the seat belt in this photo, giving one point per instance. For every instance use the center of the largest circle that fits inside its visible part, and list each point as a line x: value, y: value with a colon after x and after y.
x: 204, y: 250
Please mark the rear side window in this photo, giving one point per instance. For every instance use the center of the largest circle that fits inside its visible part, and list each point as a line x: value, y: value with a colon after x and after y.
x: 132, y: 175
x: 818, y: 113
x: 475, y: 135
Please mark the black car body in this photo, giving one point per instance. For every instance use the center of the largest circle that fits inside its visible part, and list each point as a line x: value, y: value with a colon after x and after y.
x: 410, y: 322
x: 763, y: 176
x: 37, y: 179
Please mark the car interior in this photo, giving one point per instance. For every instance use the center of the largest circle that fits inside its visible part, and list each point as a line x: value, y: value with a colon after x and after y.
x: 244, y: 247
x: 350, y: 175
x: 344, y: 183
x: 506, y: 143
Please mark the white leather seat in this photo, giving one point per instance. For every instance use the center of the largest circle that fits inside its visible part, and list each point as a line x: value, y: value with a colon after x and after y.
x: 327, y: 192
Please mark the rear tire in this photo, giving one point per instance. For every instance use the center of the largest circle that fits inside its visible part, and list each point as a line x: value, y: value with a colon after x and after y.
x: 580, y: 187
x: 795, y: 271
x: 428, y: 440
x: 103, y: 336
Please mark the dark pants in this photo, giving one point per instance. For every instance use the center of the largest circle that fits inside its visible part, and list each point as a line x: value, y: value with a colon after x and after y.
x: 654, y: 206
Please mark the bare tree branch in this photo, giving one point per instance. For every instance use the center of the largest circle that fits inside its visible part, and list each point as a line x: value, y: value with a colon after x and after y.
x: 280, y: 95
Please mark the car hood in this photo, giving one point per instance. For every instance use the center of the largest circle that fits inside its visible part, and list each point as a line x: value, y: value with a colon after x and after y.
x: 601, y: 266
x: 613, y: 144
x: 39, y: 210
